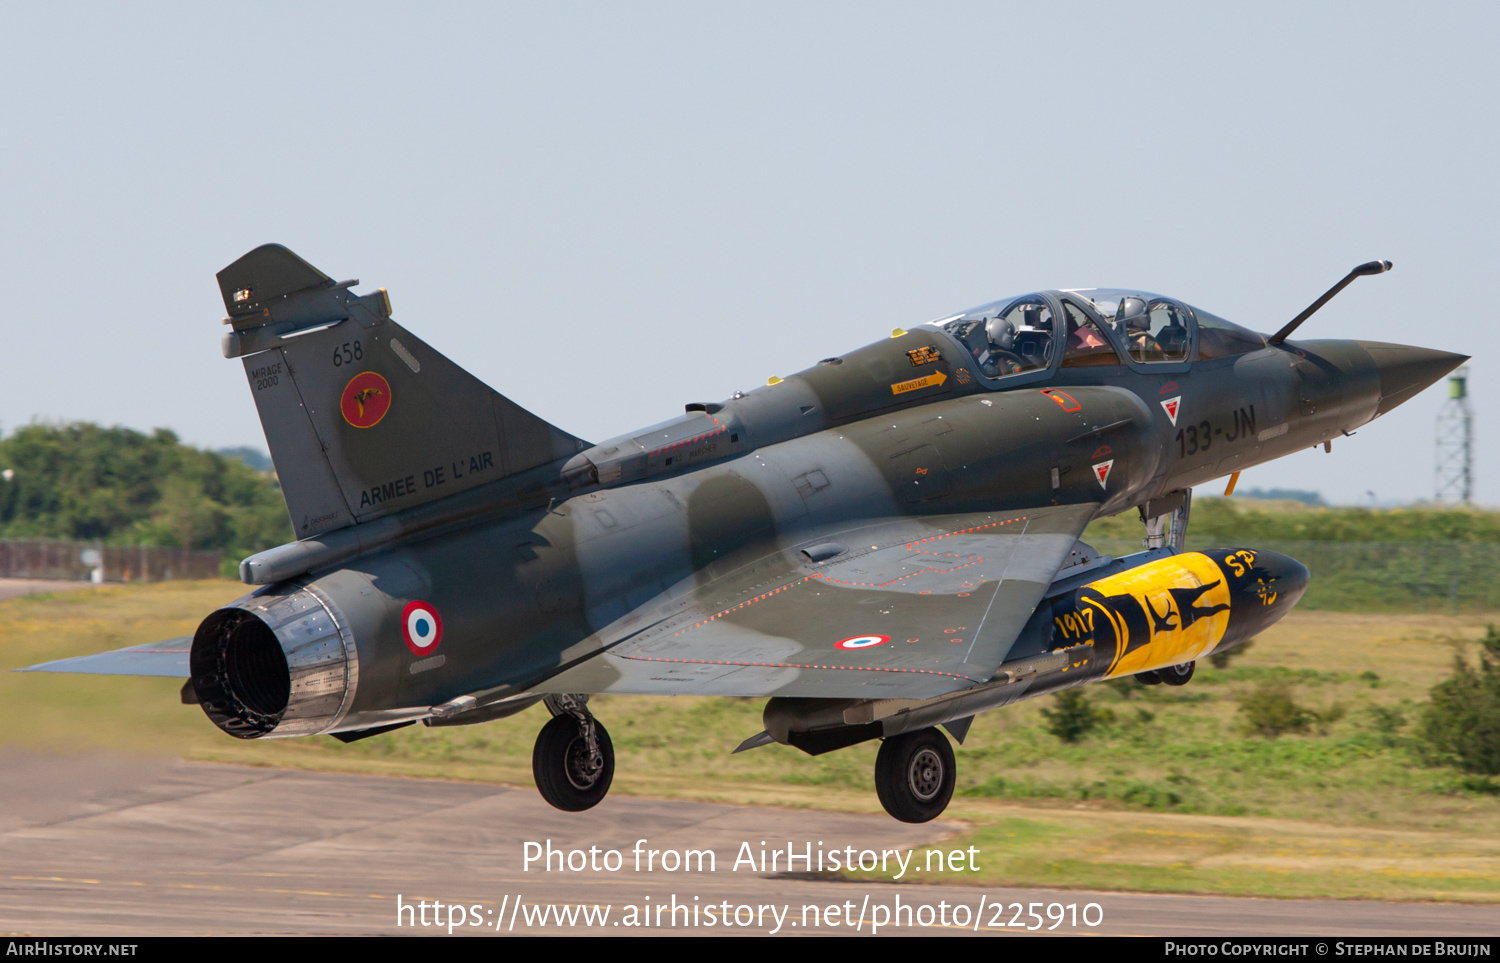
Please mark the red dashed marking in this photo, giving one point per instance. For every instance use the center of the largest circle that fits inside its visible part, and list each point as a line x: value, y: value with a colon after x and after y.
x: 690, y: 441
x: 974, y: 560
x: 796, y: 665
x: 965, y: 531
x: 819, y: 575
x: 744, y: 604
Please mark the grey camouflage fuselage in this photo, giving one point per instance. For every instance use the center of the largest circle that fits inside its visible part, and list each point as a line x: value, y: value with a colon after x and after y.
x: 895, y: 525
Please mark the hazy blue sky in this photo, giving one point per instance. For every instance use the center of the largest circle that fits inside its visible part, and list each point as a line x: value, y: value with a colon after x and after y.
x: 607, y: 210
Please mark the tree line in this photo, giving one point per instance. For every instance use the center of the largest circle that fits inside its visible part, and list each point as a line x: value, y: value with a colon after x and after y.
x: 120, y: 486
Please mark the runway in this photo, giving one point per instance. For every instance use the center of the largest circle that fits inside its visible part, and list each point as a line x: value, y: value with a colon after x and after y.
x: 101, y: 845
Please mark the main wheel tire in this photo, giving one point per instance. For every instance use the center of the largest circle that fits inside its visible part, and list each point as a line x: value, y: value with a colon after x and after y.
x: 915, y: 774
x: 1148, y: 678
x: 560, y: 763
x: 1177, y: 674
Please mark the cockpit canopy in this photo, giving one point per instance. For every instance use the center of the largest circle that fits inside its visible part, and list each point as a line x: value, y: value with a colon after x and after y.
x: 1092, y: 326
x: 1152, y: 327
x: 1006, y: 337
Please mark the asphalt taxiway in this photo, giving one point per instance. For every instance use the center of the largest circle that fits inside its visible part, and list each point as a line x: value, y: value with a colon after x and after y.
x: 106, y: 845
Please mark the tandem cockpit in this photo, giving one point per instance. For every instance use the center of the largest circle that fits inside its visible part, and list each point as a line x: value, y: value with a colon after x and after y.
x: 1085, y: 327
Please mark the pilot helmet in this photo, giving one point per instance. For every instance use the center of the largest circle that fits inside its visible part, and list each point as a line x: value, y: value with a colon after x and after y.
x: 1002, y: 333
x: 1132, y: 312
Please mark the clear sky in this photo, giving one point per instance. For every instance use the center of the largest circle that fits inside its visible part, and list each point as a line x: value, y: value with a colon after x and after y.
x: 608, y: 210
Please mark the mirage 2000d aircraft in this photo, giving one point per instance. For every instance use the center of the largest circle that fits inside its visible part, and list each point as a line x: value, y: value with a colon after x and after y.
x: 884, y: 543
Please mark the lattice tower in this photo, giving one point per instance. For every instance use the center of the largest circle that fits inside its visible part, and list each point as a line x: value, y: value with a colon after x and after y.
x: 1455, y: 442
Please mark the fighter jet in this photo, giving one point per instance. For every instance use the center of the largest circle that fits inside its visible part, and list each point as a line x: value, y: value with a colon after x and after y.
x: 880, y: 545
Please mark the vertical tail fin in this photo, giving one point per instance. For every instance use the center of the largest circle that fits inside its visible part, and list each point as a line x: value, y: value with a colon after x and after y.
x: 361, y: 416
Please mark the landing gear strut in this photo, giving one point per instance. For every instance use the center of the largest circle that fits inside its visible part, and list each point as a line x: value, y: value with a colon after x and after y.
x: 573, y: 761
x: 1166, y: 519
x: 914, y: 775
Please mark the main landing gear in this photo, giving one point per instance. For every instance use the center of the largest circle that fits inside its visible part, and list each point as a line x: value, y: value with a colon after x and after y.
x: 573, y: 761
x: 1177, y: 674
x: 1166, y: 519
x: 1171, y: 675
x: 914, y: 775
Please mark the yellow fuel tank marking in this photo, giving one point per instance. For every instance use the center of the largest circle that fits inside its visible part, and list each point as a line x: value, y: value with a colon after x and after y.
x: 902, y: 387
x: 1185, y: 601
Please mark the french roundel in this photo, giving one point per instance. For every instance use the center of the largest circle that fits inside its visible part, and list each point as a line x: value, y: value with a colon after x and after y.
x: 863, y: 642
x: 422, y: 626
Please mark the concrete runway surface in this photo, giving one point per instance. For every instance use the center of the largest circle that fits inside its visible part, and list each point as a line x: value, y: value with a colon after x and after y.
x: 103, y: 845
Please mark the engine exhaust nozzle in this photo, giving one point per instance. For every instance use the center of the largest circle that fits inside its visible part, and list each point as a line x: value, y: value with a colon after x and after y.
x: 279, y: 662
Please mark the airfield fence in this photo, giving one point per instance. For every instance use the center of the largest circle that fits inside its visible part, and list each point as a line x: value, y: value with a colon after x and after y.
x: 1449, y: 577
x: 45, y: 558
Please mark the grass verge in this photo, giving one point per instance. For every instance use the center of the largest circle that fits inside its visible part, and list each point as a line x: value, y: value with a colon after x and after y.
x: 1170, y: 796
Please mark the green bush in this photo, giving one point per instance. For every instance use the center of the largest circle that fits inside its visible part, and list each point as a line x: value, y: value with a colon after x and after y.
x: 1074, y: 716
x: 1387, y: 720
x: 1221, y: 660
x: 1270, y: 710
x: 1462, y: 720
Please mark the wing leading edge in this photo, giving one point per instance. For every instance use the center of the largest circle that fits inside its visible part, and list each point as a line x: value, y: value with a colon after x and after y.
x: 907, y: 608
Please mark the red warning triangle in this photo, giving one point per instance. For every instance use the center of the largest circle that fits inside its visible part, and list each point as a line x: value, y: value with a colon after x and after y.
x: 1101, y: 472
x: 1170, y: 407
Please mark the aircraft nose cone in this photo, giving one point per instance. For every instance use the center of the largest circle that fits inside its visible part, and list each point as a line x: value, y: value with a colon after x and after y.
x: 1405, y: 370
x: 1263, y: 587
x: 1275, y: 573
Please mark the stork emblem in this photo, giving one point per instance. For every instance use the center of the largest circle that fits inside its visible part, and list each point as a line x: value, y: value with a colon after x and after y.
x: 366, y: 399
x: 363, y: 395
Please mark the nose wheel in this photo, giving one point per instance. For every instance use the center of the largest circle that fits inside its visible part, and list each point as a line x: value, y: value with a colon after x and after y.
x: 914, y: 775
x: 573, y: 760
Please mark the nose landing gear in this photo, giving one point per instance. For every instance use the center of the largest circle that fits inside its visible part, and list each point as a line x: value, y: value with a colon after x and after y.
x: 914, y: 775
x: 573, y: 760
